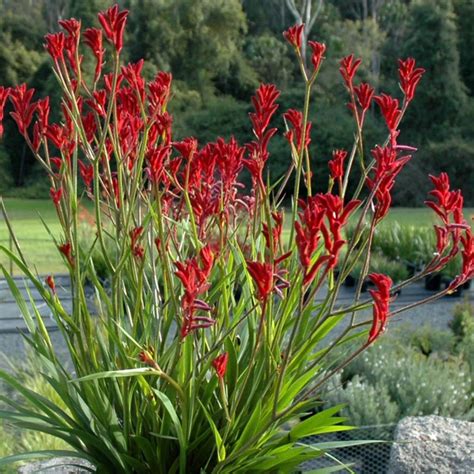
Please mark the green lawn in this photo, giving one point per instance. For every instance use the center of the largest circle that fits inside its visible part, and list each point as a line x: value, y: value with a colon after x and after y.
x: 40, y: 251
x: 35, y: 242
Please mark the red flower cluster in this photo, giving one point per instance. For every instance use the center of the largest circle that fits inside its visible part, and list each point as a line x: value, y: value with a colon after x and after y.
x: 113, y: 22
x: 387, y: 167
x: 410, y: 76
x: 265, y: 106
x: 93, y: 39
x: 336, y: 165
x: 220, y: 364
x: 382, y: 299
x: 294, y: 35
x: 448, y: 205
x: 66, y: 250
x: 322, y: 215
x: 317, y: 52
x: 4, y: 93
x: 348, y: 70
x: 194, y: 275
x: 56, y: 195
x: 274, y: 242
x: 390, y: 111
x: 50, y: 282
x: 137, y: 250
x: 268, y: 278
x: 20, y: 98
x: 295, y: 118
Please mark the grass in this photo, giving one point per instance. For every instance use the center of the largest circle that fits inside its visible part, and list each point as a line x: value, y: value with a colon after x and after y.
x: 35, y: 241
x: 40, y: 250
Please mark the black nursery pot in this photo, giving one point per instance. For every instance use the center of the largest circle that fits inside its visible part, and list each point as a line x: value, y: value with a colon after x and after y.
x: 349, y: 281
x: 467, y: 285
x: 433, y: 282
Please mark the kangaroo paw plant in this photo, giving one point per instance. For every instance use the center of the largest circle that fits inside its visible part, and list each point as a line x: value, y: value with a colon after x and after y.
x: 205, y: 348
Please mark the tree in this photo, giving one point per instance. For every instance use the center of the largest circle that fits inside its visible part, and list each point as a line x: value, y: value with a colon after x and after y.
x: 464, y: 10
x: 431, y: 38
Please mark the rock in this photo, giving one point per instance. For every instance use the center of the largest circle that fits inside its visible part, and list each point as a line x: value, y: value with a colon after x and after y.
x: 58, y: 466
x: 432, y: 444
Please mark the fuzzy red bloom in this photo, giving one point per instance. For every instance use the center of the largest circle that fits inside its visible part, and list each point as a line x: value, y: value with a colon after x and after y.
x: 317, y: 52
x: 137, y: 250
x: 4, y: 93
x: 390, y: 111
x: 336, y: 165
x: 364, y: 93
x: 50, y: 282
x: 194, y: 274
x: 382, y: 299
x: 132, y: 73
x: 72, y: 26
x: 262, y: 274
x: 159, y: 92
x: 220, y: 364
x: 55, y: 43
x: 93, y: 39
x: 410, y: 76
x: 66, y: 250
x: 113, y: 22
x: 98, y: 103
x: 43, y: 109
x: 467, y: 271
x: 156, y: 159
x: 337, y: 215
x: 264, y: 102
x: 56, y: 195
x: 21, y: 97
x: 449, y: 203
x: 294, y: 35
x: 276, y: 231
x: 348, y: 69
x: 387, y: 167
x: 295, y: 118
x: 87, y: 173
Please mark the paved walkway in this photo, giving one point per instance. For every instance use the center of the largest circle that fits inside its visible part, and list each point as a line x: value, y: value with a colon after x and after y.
x: 435, y: 314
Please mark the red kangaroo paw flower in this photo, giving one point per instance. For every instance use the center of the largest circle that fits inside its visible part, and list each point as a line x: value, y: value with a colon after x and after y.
x: 20, y: 98
x: 390, y: 111
x: 295, y: 117
x: 294, y: 35
x: 66, y: 250
x: 50, y: 282
x: 382, y: 299
x: 56, y: 195
x: 220, y: 364
x: 137, y: 250
x: 262, y: 275
x: 93, y: 39
x: 113, y: 22
x: 4, y: 93
x: 54, y: 44
x: 87, y: 173
x: 336, y: 165
x: 410, y: 76
x: 348, y: 69
x: 317, y: 52
x: 364, y: 93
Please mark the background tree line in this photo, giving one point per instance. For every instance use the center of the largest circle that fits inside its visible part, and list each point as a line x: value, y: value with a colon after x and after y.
x: 219, y: 51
